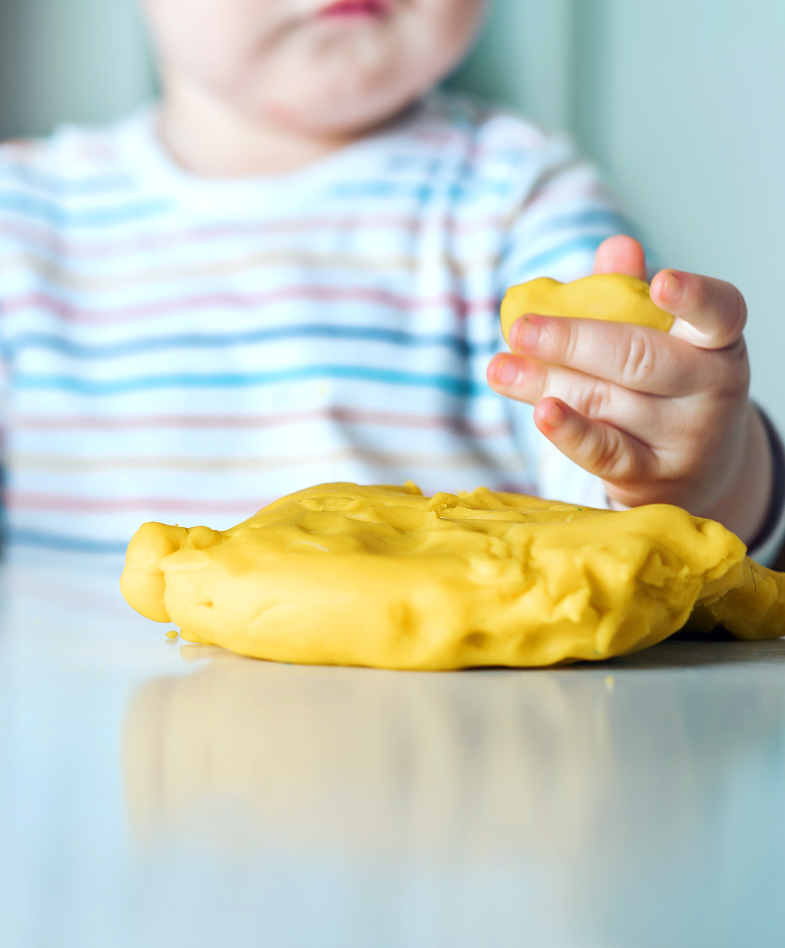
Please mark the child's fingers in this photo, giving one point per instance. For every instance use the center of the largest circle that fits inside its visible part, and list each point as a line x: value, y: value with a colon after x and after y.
x: 529, y: 380
x: 635, y: 357
x: 709, y: 313
x: 621, y: 255
x: 597, y: 447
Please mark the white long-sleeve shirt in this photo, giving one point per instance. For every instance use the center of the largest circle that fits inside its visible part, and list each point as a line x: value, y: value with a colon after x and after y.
x: 187, y: 350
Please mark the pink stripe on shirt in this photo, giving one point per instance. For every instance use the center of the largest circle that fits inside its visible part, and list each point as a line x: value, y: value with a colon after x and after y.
x: 354, y: 416
x: 69, y: 312
x: 29, y: 500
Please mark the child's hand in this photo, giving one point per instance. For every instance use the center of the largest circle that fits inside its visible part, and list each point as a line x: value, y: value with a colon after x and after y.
x: 661, y: 418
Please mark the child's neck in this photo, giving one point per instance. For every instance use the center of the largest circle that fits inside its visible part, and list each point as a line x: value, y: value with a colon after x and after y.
x: 208, y: 138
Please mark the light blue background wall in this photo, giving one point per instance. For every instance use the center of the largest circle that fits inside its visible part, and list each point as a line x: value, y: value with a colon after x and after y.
x: 682, y: 102
x: 74, y: 60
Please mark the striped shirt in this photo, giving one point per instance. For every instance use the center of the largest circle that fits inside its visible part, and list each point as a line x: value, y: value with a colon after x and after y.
x: 186, y: 350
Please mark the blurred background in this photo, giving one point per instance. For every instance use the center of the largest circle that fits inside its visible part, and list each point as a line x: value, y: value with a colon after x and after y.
x: 681, y: 102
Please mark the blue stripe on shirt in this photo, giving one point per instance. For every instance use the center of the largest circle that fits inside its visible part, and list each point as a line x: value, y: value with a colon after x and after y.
x: 58, y: 216
x: 535, y: 265
x: 51, y: 343
x: 58, y: 187
x: 610, y: 220
x: 57, y: 542
x: 460, y: 388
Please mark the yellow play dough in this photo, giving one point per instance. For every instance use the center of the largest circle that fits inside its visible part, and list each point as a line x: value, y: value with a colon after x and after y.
x: 608, y: 296
x: 382, y: 576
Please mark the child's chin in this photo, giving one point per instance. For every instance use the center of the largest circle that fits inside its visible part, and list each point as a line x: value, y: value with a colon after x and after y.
x: 345, y: 99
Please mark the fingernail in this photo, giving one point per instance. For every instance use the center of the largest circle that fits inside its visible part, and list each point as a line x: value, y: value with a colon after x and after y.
x: 505, y: 371
x: 555, y: 415
x: 671, y: 287
x: 525, y: 334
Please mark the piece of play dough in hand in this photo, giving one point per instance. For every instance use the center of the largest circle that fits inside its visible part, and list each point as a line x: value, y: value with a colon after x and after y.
x: 608, y: 296
x: 382, y: 576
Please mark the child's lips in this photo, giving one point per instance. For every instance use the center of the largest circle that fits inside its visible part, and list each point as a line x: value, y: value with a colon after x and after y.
x: 354, y: 8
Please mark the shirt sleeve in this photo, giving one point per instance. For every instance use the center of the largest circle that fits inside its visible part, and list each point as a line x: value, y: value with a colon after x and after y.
x: 565, y: 216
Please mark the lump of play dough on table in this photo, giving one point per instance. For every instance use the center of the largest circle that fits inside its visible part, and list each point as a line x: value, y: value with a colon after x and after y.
x: 609, y: 296
x: 753, y: 608
x: 382, y: 576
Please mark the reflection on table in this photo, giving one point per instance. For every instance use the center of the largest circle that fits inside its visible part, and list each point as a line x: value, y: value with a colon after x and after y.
x: 592, y: 793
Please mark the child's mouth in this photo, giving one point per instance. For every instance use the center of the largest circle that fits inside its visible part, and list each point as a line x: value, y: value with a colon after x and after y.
x: 352, y: 8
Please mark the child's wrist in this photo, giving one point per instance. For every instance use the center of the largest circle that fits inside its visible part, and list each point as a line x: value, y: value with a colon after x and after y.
x: 747, y: 507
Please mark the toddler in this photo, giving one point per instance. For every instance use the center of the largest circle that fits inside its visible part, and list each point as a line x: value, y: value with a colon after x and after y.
x: 289, y: 271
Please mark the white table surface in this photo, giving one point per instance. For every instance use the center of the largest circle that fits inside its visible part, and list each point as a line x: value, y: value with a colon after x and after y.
x: 159, y: 794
